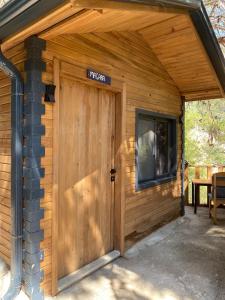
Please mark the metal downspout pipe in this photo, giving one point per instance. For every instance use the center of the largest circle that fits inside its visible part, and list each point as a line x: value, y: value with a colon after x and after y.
x: 16, y: 175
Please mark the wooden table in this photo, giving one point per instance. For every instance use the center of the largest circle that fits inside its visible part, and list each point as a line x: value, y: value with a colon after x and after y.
x: 196, y: 183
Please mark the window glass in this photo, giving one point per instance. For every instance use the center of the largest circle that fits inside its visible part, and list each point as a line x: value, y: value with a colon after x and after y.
x: 156, y: 149
x: 145, y: 148
x: 162, y: 148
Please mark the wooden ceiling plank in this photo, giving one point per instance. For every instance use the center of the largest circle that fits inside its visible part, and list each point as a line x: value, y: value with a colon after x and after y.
x: 106, y: 21
x: 62, y: 27
x: 182, y: 38
x: 165, y: 27
x: 177, y: 45
x: 169, y: 35
x: 133, y: 22
x: 87, y: 21
x: 203, y: 50
x: 63, y: 12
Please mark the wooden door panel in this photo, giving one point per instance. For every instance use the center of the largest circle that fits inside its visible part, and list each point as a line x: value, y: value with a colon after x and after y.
x: 86, y: 156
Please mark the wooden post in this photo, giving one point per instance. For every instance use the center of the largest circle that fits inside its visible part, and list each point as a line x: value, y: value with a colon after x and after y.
x: 182, y: 202
x: 220, y: 168
x: 186, y: 184
x: 197, y: 172
x: 209, y: 172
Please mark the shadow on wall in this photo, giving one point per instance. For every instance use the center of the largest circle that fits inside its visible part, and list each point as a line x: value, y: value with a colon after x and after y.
x: 145, y: 210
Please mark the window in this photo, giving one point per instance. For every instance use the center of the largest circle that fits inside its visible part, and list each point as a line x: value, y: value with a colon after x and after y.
x: 156, y: 148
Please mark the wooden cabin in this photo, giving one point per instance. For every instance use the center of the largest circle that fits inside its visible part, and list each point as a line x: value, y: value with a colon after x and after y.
x: 105, y: 84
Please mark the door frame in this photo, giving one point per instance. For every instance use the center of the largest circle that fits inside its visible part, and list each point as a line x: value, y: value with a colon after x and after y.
x: 75, y: 71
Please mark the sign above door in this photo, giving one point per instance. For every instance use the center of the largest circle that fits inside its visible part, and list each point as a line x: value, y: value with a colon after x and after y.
x: 94, y: 75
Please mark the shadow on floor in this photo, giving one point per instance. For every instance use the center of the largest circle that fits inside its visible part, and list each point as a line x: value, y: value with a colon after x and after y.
x: 184, y: 260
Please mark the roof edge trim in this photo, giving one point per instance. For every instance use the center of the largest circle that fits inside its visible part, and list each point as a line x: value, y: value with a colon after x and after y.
x: 28, y: 14
x: 13, y: 9
x: 207, y: 35
x: 19, y: 13
x: 190, y: 4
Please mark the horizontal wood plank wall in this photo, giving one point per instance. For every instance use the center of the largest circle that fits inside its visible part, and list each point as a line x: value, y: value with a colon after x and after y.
x: 5, y: 166
x: 127, y: 58
x: 17, y: 56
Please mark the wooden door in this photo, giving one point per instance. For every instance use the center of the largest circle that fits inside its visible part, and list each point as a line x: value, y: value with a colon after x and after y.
x: 86, y: 156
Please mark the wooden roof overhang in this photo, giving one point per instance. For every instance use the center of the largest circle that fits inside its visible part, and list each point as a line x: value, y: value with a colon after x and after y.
x: 171, y: 32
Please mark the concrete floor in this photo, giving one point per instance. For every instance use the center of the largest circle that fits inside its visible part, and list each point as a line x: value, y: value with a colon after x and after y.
x: 184, y: 260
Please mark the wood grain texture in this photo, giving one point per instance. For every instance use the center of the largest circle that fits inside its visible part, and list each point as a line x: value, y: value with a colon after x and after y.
x: 86, y: 156
x: 106, y: 20
x: 153, y: 53
x: 69, y: 8
x: 172, y: 36
x: 169, y: 32
x: 69, y: 71
x: 51, y: 19
x: 178, y: 46
x: 127, y: 58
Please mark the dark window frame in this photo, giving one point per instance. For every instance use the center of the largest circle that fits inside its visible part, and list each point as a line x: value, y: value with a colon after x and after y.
x: 172, y: 174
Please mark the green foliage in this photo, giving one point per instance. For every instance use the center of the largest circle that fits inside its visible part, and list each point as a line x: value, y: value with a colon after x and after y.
x: 205, y: 132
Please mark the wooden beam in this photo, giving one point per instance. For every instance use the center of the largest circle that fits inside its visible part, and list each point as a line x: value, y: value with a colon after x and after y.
x: 106, y: 20
x: 40, y: 25
x: 62, y: 26
x: 101, y: 4
x: 72, y: 7
x: 201, y: 95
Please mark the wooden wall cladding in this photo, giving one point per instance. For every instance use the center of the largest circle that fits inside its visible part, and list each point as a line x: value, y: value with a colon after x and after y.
x: 17, y: 56
x: 178, y: 47
x: 127, y: 58
x: 5, y: 167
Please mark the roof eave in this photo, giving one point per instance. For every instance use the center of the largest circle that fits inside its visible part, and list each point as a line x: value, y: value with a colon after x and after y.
x: 189, y: 4
x: 22, y: 13
x: 196, y: 10
x: 15, y: 18
x: 204, y: 28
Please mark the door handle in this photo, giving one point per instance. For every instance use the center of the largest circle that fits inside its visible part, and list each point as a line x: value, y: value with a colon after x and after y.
x: 113, y: 172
